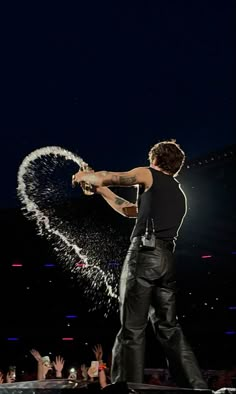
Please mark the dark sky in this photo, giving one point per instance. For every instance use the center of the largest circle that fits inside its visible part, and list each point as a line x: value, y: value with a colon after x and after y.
x: 107, y: 81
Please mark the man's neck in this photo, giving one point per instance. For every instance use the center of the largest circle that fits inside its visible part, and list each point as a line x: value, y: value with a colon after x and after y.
x: 158, y: 169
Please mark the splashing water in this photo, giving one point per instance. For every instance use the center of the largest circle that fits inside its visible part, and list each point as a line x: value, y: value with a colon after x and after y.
x: 44, y: 184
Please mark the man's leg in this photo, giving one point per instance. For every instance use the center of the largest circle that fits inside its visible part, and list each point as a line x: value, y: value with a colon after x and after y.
x: 182, y: 362
x: 129, y: 347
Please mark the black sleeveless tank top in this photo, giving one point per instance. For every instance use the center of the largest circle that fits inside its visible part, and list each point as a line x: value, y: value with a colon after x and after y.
x: 165, y: 203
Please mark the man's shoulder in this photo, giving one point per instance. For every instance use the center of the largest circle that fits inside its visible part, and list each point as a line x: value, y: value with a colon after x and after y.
x: 144, y: 176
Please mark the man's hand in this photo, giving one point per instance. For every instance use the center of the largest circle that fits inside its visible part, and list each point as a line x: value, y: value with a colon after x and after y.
x: 87, y: 188
x: 87, y: 177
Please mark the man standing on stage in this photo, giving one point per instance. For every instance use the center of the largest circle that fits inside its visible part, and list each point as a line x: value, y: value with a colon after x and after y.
x: 148, y: 283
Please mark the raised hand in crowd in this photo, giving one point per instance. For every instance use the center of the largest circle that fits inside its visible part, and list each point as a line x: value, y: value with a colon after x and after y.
x: 36, y: 355
x: 84, y: 371
x: 58, y: 365
x: 44, y: 364
x: 92, y: 372
x: 98, y: 351
x: 102, y: 377
x: 39, y: 360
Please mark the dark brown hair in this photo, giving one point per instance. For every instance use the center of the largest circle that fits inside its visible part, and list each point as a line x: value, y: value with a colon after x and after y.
x: 168, y: 156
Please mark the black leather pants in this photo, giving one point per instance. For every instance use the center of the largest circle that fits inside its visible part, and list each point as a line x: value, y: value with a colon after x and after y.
x: 147, y: 289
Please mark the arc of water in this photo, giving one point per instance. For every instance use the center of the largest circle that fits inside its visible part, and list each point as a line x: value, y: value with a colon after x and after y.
x: 32, y: 210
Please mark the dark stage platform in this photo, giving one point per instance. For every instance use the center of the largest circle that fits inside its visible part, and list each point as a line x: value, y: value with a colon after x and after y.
x: 54, y: 386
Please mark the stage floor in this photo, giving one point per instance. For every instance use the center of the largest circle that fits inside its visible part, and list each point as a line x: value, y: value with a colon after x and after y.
x: 54, y: 386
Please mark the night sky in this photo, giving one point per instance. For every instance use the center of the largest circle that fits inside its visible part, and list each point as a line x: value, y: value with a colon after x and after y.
x: 108, y: 81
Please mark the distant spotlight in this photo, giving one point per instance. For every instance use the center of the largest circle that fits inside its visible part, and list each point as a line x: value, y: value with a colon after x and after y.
x: 230, y: 332
x: 49, y: 265
x: 206, y: 256
x: 71, y: 316
x: 13, y: 339
x: 17, y: 265
x: 68, y: 339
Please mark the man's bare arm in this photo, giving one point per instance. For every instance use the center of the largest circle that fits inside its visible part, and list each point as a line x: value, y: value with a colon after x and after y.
x: 140, y: 175
x: 119, y: 204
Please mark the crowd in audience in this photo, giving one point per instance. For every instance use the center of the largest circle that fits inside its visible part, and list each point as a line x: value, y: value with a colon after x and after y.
x: 47, y: 369
x: 98, y: 372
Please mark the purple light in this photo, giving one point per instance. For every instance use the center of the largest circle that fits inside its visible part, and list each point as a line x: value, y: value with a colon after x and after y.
x: 71, y: 316
x: 49, y: 265
x: 233, y: 252
x: 232, y: 308
x: 207, y: 256
x: 230, y: 332
x: 113, y: 264
x: 13, y: 339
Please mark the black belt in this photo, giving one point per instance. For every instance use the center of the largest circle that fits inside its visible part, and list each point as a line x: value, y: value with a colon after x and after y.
x: 136, y: 241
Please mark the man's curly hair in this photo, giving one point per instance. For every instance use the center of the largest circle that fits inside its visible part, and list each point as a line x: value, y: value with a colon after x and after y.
x: 168, y: 156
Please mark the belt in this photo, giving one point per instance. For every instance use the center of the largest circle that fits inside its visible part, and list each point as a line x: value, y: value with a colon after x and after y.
x: 170, y: 245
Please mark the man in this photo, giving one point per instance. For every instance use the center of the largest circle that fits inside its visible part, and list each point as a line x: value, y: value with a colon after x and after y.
x: 148, y: 284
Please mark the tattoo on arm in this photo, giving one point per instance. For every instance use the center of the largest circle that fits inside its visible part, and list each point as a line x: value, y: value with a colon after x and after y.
x: 127, y: 180
x: 130, y: 210
x: 120, y: 180
x: 120, y: 201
